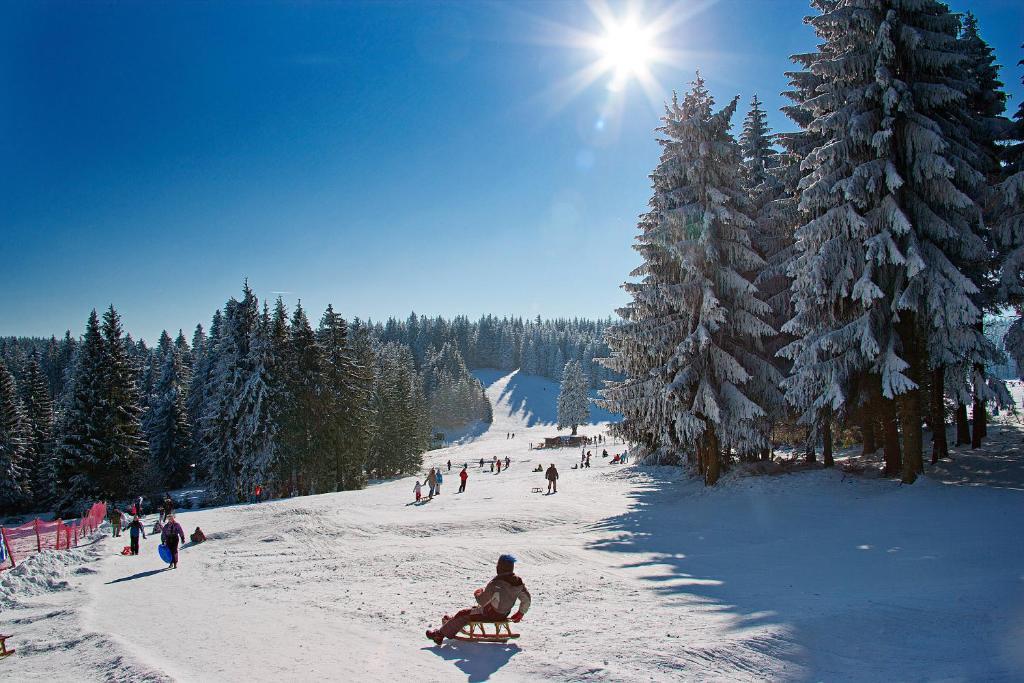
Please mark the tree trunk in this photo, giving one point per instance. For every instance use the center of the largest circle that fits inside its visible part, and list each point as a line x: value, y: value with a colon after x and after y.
x: 980, y: 421
x: 867, y: 430
x: 826, y: 443
x: 574, y: 427
x: 713, y: 458
x: 891, y: 432
x: 963, y: 427
x: 910, y: 402
x: 940, y: 448
x: 810, y: 457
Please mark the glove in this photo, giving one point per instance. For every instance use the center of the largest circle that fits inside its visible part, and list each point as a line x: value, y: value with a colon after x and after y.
x: 517, y: 617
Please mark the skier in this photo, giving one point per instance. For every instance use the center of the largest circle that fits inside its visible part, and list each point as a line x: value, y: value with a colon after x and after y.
x: 492, y: 463
x: 169, y: 537
x: 499, y: 467
x: 494, y: 602
x: 507, y: 462
x: 138, y: 506
x: 115, y: 520
x: 513, y: 435
x: 588, y: 460
x: 431, y: 482
x: 449, y: 465
x: 463, y: 475
x: 481, y: 463
x: 134, y: 529
x: 437, y: 486
x: 416, y: 489
x: 552, y: 476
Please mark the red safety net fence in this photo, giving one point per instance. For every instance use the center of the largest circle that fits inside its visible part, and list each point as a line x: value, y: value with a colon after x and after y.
x: 18, y: 542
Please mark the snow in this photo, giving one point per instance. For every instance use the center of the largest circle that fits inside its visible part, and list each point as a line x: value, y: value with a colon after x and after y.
x: 637, y: 574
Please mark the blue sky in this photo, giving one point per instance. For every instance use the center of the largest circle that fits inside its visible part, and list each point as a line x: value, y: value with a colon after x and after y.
x: 385, y: 157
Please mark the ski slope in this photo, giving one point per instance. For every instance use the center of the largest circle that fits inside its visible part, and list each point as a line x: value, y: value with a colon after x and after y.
x: 637, y: 574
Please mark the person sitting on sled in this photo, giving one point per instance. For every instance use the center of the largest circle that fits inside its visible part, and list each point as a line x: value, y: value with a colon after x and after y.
x: 494, y: 602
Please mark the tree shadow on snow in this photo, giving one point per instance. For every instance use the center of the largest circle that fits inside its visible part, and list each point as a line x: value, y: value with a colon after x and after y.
x: 838, y: 576
x: 479, y: 661
x: 537, y: 399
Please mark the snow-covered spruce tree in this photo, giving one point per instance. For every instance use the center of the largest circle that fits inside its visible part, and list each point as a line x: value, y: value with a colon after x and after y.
x: 15, y: 447
x: 167, y: 428
x: 39, y: 414
x: 349, y: 387
x: 689, y: 346
x: 260, y: 403
x: 125, y: 451
x: 304, y: 417
x: 573, y: 404
x: 772, y: 242
x: 1009, y: 231
x: 892, y: 211
x: 200, y: 400
x: 224, y: 416
x: 402, y: 427
x: 78, y: 453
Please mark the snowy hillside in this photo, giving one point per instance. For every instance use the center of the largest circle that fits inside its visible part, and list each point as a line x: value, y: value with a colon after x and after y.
x: 636, y: 574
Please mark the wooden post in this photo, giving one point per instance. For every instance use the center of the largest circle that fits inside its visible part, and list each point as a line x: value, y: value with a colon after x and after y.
x: 39, y: 543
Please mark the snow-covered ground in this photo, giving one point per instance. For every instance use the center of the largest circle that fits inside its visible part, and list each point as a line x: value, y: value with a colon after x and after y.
x: 636, y: 573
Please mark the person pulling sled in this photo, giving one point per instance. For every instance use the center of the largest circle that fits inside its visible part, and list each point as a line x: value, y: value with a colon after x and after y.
x: 494, y: 602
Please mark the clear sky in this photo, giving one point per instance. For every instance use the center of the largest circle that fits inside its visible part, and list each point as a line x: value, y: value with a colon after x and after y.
x: 385, y: 157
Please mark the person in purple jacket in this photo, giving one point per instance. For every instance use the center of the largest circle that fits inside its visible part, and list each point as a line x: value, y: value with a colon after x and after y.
x: 170, y: 536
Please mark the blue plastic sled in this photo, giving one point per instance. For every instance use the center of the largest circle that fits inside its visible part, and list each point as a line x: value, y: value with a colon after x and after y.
x: 165, y: 553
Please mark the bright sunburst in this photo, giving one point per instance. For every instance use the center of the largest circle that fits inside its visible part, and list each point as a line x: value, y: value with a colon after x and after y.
x: 626, y: 50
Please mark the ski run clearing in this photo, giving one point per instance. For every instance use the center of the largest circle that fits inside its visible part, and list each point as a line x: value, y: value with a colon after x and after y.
x: 637, y: 574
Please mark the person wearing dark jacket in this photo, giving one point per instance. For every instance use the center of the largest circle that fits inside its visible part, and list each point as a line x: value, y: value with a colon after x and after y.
x: 170, y: 536
x: 494, y: 602
x: 134, y: 529
x: 552, y: 476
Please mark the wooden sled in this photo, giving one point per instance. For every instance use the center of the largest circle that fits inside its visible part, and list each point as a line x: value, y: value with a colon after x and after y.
x: 4, y: 652
x: 474, y: 631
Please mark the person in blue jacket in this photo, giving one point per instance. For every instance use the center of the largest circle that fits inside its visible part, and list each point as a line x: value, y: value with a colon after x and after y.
x: 134, y: 529
x: 437, y: 490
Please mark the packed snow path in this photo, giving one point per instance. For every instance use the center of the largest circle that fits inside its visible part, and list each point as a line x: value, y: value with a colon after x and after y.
x: 636, y: 575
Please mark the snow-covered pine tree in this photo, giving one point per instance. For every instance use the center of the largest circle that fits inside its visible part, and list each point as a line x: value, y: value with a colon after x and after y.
x: 689, y: 344
x: 224, y: 424
x: 200, y: 399
x: 15, y: 447
x: 257, y: 447
x: 892, y: 208
x: 573, y: 404
x: 303, y: 420
x: 348, y: 389
x: 125, y: 450
x: 167, y: 428
x: 402, y: 428
x: 1009, y: 231
x: 78, y: 450
x: 39, y: 414
x: 771, y: 240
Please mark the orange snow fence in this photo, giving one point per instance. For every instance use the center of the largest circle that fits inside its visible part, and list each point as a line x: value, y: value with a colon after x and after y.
x: 18, y: 542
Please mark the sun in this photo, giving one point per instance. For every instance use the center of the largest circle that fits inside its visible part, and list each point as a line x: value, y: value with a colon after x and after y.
x: 626, y: 50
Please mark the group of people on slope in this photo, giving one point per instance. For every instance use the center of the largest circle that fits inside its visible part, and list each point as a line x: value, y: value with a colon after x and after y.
x: 434, y: 480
